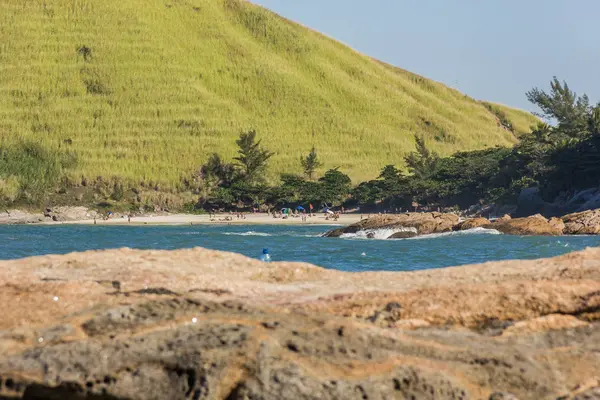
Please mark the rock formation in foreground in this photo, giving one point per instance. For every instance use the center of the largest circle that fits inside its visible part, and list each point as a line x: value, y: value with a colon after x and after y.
x: 200, y: 324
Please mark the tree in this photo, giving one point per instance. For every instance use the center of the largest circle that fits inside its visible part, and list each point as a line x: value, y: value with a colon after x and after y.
x: 563, y: 105
x: 310, y: 163
x: 252, y: 157
x: 391, y: 185
x: 217, y: 172
x: 422, y: 162
x: 335, y: 187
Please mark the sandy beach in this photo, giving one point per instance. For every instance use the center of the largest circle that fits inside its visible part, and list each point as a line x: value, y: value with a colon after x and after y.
x: 187, y: 219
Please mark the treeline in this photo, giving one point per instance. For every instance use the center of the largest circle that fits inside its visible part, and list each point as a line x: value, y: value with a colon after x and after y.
x: 242, y: 183
x: 558, y: 158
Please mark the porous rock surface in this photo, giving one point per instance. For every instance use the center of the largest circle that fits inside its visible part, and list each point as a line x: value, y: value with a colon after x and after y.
x: 471, y: 224
x: 17, y: 217
x: 68, y: 214
x: 201, y: 324
x: 583, y: 223
x: 536, y: 225
x: 422, y: 223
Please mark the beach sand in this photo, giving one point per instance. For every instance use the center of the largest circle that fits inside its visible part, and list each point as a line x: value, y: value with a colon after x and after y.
x: 251, y: 219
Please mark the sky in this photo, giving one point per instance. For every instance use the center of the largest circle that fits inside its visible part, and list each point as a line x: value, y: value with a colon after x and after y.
x: 492, y: 50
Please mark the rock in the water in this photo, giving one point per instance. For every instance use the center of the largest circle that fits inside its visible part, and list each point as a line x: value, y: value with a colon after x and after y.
x: 404, y: 235
x: 471, y: 224
x: 201, y: 324
x: 583, y: 223
x: 535, y: 225
x: 423, y: 223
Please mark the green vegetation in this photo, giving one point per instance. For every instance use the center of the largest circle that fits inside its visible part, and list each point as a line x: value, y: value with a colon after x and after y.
x: 252, y: 158
x: 559, y: 160
x: 310, y: 163
x: 517, y: 121
x: 28, y: 171
x: 143, y: 92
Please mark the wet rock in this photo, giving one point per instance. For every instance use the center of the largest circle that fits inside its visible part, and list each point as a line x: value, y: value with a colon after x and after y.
x: 535, y: 225
x: 423, y: 223
x: 404, y: 235
x: 583, y: 223
x: 471, y: 224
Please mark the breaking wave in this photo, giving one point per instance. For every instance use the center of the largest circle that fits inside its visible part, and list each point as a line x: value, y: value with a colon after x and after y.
x: 474, y: 231
x: 249, y: 233
x: 378, y: 234
x: 383, y: 234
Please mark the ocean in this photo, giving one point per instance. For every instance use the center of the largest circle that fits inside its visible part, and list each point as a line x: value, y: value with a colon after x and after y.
x: 294, y: 243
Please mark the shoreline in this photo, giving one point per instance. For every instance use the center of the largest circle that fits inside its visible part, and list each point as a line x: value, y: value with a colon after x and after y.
x: 219, y: 219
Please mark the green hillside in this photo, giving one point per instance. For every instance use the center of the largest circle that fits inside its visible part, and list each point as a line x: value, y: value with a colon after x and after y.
x: 521, y: 121
x: 145, y: 90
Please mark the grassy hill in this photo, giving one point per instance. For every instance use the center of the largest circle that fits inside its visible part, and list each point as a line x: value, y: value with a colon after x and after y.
x: 145, y: 90
x: 521, y: 121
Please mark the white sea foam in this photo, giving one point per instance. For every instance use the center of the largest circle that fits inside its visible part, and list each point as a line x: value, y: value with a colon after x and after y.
x: 379, y: 234
x: 382, y: 234
x: 249, y: 233
x: 474, y: 231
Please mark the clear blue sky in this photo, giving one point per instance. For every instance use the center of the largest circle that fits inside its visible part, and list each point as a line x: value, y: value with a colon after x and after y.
x: 489, y: 49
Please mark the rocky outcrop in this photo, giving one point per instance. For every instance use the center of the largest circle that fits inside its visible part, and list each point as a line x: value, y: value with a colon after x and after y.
x: 68, y: 214
x: 535, y: 225
x: 530, y: 202
x: 200, y: 324
x: 471, y: 224
x: 56, y: 214
x: 583, y: 223
x: 17, y: 217
x: 418, y: 223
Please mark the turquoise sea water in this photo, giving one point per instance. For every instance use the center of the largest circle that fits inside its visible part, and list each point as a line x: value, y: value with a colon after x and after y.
x: 293, y: 243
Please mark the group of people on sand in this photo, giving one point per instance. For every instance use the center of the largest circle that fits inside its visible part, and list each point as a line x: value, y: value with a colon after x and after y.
x: 286, y: 213
x: 212, y: 216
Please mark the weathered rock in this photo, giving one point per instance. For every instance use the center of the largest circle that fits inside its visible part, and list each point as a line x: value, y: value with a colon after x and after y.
x: 583, y: 223
x: 404, y: 235
x: 503, y: 396
x: 589, y: 394
x: 557, y: 224
x: 530, y: 202
x: 548, y: 322
x: 423, y: 223
x: 16, y: 217
x: 471, y: 224
x: 506, y: 217
x: 200, y: 324
x: 67, y: 214
x: 534, y: 225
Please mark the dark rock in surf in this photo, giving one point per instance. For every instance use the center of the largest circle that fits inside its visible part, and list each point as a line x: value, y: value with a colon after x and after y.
x: 422, y: 223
